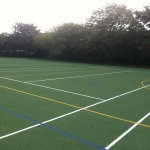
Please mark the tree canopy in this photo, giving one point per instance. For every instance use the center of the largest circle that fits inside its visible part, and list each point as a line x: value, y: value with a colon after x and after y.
x: 113, y: 34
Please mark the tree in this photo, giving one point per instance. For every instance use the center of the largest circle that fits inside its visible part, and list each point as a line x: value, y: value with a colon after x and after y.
x: 23, y: 33
x: 69, y: 38
x: 113, y: 17
x: 144, y: 17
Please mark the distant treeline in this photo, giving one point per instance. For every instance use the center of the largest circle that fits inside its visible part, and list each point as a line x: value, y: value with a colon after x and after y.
x: 111, y: 35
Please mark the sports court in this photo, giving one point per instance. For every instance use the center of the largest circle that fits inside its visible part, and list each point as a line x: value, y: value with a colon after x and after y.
x: 54, y: 105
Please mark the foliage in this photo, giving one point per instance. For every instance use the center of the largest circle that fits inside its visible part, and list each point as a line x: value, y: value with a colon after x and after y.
x: 21, y: 40
x: 112, y: 34
x: 144, y: 17
x: 113, y: 17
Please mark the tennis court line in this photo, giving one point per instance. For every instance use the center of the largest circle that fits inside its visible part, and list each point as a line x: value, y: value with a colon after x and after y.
x: 144, y: 85
x: 54, y: 89
x: 67, y: 104
x: 77, y: 76
x: 38, y: 69
x: 31, y: 70
x: 41, y: 67
x: 126, y: 132
x: 13, y: 65
x: 84, y: 108
x: 57, y: 73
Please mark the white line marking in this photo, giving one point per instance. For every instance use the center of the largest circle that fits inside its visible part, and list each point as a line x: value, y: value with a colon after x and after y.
x: 39, y: 69
x: 78, y: 76
x: 65, y: 67
x: 14, y: 65
x: 46, y: 121
x: 33, y: 68
x: 126, y: 132
x: 73, y: 92
x: 30, y: 68
x: 68, y: 114
x: 54, y: 89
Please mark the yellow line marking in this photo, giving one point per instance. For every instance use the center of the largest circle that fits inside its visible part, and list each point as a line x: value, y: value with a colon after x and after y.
x: 56, y: 101
x: 57, y: 73
x: 144, y: 85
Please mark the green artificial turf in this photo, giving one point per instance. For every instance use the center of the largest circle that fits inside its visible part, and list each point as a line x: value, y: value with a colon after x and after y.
x: 67, y: 88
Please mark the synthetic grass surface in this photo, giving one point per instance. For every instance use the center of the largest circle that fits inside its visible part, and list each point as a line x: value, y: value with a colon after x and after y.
x: 56, y: 90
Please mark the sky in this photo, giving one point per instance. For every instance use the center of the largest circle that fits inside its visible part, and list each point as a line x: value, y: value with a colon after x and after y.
x: 49, y: 13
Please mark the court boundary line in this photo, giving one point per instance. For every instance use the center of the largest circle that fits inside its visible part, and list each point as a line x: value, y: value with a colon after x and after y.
x: 67, y: 91
x: 124, y: 93
x: 32, y: 70
x: 126, y: 132
x: 39, y: 69
x: 84, y: 108
x: 74, y: 106
x: 61, y: 67
x: 53, y: 89
x: 77, y: 106
x: 76, y: 77
x: 56, y: 89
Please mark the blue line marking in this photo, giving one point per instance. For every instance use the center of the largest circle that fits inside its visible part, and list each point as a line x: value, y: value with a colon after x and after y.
x: 125, y: 97
x: 52, y: 128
